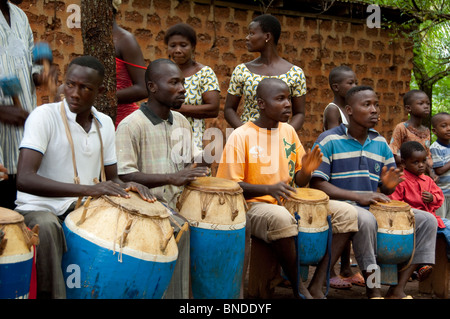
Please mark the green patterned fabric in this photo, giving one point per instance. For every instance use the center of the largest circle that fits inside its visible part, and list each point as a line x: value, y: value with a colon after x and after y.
x: 244, y: 83
x: 203, y: 81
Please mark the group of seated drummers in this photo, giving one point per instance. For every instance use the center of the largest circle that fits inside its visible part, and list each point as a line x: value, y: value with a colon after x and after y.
x: 72, y: 153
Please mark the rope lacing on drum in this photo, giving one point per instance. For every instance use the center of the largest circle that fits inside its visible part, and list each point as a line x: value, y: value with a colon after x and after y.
x: 206, y: 200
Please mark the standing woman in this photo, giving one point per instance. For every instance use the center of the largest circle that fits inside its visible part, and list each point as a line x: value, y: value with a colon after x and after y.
x: 130, y: 70
x: 263, y: 35
x: 201, y: 83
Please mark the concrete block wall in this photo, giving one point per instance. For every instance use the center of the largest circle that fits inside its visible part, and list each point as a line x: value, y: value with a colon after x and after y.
x: 316, y: 45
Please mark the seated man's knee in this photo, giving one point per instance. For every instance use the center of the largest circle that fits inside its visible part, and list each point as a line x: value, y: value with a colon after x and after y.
x: 366, y: 220
x: 49, y: 224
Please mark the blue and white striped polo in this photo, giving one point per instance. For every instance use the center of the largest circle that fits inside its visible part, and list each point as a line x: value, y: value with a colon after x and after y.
x: 348, y: 164
x: 440, y: 154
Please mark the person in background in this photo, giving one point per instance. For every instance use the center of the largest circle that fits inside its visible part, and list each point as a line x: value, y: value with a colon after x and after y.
x: 341, y: 79
x: 417, y: 104
x: 440, y: 154
x: 16, y: 47
x: 420, y: 192
x: 130, y: 70
x: 263, y: 35
x: 201, y: 83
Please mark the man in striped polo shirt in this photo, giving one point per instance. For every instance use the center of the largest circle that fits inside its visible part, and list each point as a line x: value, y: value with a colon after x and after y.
x: 359, y: 167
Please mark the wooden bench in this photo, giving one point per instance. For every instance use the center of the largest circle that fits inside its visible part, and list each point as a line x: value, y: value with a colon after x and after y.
x: 264, y: 270
x: 438, y: 281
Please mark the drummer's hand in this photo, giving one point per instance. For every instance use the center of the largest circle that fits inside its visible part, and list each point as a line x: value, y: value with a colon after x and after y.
x: 367, y: 199
x: 392, y: 177
x: 427, y: 197
x: 187, y: 175
x: 312, y: 160
x: 142, y: 190
x: 281, y: 190
x: 108, y: 188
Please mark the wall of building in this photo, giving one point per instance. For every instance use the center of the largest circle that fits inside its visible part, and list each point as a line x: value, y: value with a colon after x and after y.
x: 316, y: 45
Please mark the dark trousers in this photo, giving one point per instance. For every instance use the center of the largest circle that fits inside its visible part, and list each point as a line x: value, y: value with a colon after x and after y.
x: 8, y: 192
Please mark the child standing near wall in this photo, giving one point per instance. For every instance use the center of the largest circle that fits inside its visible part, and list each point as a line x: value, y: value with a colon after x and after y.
x: 440, y: 153
x: 417, y: 104
x: 341, y: 79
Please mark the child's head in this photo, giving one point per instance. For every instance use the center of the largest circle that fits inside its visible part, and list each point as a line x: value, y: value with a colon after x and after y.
x: 417, y: 103
x: 274, y: 99
x: 341, y: 79
x: 362, y: 106
x: 414, y: 157
x: 441, y: 127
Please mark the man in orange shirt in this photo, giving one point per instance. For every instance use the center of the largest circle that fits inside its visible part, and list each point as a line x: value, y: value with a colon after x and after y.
x: 252, y: 157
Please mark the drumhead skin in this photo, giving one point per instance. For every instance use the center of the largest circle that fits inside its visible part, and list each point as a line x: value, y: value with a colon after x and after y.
x: 98, y: 264
x: 310, y: 194
x: 214, y: 184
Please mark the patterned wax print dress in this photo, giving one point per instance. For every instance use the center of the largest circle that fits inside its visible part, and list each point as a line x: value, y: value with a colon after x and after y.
x: 244, y: 83
x: 203, y: 81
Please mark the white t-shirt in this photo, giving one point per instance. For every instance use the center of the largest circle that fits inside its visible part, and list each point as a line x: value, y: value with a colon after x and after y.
x: 343, y: 117
x: 45, y: 132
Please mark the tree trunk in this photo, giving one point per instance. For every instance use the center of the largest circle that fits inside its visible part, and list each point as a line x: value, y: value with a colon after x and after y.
x: 96, y: 27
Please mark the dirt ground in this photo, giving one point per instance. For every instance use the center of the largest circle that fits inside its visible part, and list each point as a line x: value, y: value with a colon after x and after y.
x: 356, y: 292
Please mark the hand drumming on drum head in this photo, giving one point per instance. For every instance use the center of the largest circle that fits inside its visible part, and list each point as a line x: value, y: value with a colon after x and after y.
x: 142, y: 190
x: 367, y: 199
x: 108, y: 188
x: 280, y: 190
x: 187, y: 175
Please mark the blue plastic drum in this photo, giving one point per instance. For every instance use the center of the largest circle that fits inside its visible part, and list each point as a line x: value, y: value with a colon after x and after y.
x: 395, y: 237
x: 215, y: 209
x: 119, y: 248
x: 310, y: 207
x: 16, y: 256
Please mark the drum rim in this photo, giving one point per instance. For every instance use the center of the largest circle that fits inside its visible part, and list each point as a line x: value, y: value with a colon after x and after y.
x: 294, y: 197
x: 8, y: 216
x: 390, y: 205
x: 194, y: 185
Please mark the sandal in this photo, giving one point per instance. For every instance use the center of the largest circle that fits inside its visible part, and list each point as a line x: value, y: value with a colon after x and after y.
x: 339, y: 282
x: 424, y: 272
x: 357, y: 280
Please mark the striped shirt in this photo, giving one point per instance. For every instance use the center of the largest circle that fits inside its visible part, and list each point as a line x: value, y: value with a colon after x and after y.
x: 348, y: 164
x: 16, y: 46
x: 148, y: 144
x: 441, y: 155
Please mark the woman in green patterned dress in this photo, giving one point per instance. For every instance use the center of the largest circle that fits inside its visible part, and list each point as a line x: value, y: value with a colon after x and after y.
x: 263, y: 34
x: 201, y: 83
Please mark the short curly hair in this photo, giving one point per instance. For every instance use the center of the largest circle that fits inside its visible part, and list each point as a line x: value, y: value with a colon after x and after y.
x: 184, y: 30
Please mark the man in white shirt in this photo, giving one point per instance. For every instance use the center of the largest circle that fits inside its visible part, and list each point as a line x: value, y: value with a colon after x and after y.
x: 51, y: 176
